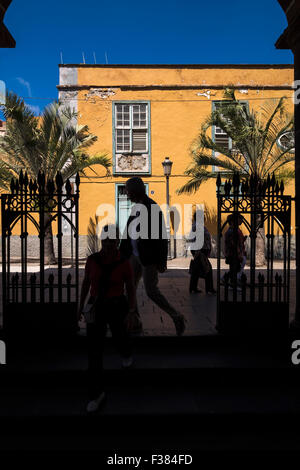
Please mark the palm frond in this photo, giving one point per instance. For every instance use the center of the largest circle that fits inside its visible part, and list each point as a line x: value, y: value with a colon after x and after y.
x: 254, y: 135
x: 93, y: 241
x: 53, y: 143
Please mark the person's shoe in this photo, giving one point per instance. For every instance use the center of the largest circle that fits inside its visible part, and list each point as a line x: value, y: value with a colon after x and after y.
x: 127, y: 362
x: 211, y: 292
x: 179, y: 323
x: 94, y: 405
x: 196, y: 291
x: 238, y: 289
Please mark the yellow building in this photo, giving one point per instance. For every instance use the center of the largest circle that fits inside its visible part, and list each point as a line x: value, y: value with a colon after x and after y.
x: 143, y: 113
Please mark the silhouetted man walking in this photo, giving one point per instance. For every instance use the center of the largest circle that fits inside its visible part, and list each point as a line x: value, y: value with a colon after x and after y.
x: 148, y: 249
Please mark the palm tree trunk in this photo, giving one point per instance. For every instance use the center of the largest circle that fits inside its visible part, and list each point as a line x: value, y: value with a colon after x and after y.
x: 48, y: 241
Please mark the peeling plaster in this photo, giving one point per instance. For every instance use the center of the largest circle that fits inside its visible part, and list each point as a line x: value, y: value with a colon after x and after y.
x: 102, y: 93
x: 244, y: 92
x: 132, y: 163
x: 69, y: 99
x: 206, y: 93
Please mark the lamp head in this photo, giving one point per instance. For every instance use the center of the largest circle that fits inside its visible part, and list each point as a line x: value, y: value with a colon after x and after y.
x: 167, y: 166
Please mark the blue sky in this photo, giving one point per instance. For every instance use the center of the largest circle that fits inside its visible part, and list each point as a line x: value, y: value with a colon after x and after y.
x: 156, y: 32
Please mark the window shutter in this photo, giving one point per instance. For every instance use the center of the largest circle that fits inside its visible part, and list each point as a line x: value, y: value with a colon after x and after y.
x: 139, y: 141
x: 221, y: 138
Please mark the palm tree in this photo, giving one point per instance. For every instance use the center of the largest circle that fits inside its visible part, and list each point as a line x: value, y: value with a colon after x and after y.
x: 93, y: 240
x: 48, y: 144
x: 255, y: 150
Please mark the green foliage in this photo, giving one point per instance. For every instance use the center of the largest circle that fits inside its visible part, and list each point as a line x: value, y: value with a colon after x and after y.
x: 50, y: 143
x: 93, y: 241
x: 254, y: 135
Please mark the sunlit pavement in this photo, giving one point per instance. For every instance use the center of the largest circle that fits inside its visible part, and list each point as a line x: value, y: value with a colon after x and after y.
x: 199, y: 309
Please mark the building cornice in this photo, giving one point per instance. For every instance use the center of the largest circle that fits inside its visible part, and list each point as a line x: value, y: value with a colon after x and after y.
x: 181, y: 66
x: 206, y: 86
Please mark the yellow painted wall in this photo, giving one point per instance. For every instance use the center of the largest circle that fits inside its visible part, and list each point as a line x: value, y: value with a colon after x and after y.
x: 176, y: 118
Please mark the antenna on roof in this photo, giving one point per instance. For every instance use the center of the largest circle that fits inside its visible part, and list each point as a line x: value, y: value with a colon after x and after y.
x: 83, y: 58
x: 61, y: 58
x: 94, y: 57
x: 106, y: 59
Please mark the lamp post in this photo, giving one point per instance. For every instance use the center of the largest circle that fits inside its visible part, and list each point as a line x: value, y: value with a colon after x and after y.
x: 167, y: 166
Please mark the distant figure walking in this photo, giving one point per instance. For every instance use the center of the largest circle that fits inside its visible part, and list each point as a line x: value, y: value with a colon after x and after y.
x: 200, y: 265
x: 106, y: 275
x: 148, y: 255
x: 235, y: 251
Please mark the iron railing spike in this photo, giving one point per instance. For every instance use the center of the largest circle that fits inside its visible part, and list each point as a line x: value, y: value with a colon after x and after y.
x: 21, y: 178
x: 282, y: 187
x: 68, y: 186
x: 77, y: 180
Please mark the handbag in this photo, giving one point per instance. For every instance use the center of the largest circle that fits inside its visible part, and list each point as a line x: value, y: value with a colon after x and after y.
x: 89, y: 310
x: 200, y: 265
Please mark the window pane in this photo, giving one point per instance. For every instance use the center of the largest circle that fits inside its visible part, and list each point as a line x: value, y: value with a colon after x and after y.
x: 122, y: 140
x: 139, y: 115
x: 122, y: 115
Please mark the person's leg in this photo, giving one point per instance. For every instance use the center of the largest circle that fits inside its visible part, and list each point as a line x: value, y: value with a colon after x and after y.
x: 137, y: 274
x: 95, y: 339
x: 150, y: 277
x: 194, y: 276
x: 137, y: 269
x: 243, y: 264
x: 234, y: 268
x: 116, y: 320
x: 209, y: 282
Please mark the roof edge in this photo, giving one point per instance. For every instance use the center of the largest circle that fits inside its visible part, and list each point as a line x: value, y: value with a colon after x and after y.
x: 200, y: 66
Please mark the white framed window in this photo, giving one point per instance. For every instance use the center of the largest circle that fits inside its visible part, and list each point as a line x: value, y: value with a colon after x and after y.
x: 222, y: 139
x: 219, y: 136
x: 131, y: 127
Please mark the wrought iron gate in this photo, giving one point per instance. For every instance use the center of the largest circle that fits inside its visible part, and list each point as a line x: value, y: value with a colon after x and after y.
x: 256, y: 301
x: 33, y: 304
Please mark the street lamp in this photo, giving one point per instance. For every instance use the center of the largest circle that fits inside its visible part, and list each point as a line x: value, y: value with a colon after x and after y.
x: 167, y: 166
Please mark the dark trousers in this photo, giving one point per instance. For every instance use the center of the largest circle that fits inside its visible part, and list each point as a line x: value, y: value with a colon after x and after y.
x: 234, y: 269
x: 111, y: 313
x: 209, y: 284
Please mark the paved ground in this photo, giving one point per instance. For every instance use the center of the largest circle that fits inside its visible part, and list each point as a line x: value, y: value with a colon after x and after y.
x: 199, y: 309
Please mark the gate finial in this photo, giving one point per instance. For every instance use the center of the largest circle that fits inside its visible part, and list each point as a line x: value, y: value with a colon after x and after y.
x: 12, y: 185
x: 21, y: 178
x: 26, y: 179
x: 273, y: 181
x: 218, y: 182
x: 59, y: 181
x: 77, y: 181
x: 41, y: 180
x: 68, y: 187
x: 281, y: 187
